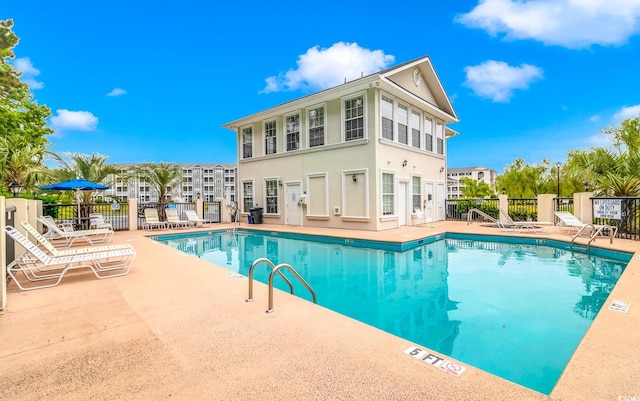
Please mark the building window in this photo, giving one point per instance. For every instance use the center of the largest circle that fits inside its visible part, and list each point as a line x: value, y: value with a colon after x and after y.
x: 354, y: 118
x: 316, y: 126
x: 415, y: 129
x: 388, y: 194
x: 440, y: 138
x: 416, y: 189
x: 428, y: 134
x: 386, y: 110
x: 247, y: 143
x: 292, y: 126
x: 270, y: 141
x: 247, y: 196
x: 272, y: 196
x: 403, y: 117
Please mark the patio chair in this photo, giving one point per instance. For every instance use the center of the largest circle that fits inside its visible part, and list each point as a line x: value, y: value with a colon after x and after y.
x: 192, y: 216
x: 174, y: 220
x: 508, y: 224
x: 48, y: 246
x: 69, y: 235
x: 97, y: 220
x: 572, y: 223
x: 42, y: 270
x: 151, y: 220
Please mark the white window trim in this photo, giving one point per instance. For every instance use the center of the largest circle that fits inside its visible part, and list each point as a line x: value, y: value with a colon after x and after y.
x: 394, y: 131
x: 253, y: 185
x: 264, y: 136
x: 307, y: 127
x: 252, y: 142
x: 284, y: 130
x: 422, y: 189
x: 418, y: 112
x: 395, y: 194
x: 362, y: 94
x: 264, y: 194
x: 433, y: 132
x: 398, y: 105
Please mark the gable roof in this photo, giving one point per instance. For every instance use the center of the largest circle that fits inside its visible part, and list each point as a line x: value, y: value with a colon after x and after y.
x: 386, y: 80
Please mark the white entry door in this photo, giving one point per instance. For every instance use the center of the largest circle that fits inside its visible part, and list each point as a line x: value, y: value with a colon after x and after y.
x: 429, y: 201
x: 440, y: 201
x: 292, y: 206
x: 402, y: 204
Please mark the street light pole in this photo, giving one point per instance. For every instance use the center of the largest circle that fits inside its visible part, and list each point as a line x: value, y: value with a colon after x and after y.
x: 558, y: 164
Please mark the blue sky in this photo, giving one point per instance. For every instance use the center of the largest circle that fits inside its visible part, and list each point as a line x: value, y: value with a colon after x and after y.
x: 143, y: 81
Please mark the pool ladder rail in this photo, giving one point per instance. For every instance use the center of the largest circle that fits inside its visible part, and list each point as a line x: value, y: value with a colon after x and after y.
x: 276, y: 270
x: 596, y: 231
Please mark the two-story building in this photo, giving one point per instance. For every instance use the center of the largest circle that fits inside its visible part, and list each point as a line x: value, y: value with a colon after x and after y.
x: 369, y: 154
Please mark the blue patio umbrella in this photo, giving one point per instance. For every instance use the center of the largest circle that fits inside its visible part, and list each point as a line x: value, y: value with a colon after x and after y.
x: 77, y: 184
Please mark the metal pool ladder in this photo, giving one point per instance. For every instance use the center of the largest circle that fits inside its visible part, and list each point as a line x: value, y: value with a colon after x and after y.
x: 276, y: 269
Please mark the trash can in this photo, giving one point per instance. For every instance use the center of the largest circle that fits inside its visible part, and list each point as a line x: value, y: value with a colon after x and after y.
x: 256, y: 215
x: 249, y: 219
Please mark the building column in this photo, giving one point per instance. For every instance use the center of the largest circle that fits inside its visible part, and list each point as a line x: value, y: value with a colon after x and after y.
x: 583, y: 207
x: 133, y: 214
x: 3, y: 263
x: 546, y: 207
x: 503, y: 204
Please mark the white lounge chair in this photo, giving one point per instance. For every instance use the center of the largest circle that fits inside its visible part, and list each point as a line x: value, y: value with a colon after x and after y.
x: 48, y: 246
x: 42, y: 270
x: 69, y: 235
x: 508, y: 224
x: 174, y: 220
x: 572, y: 223
x: 97, y: 220
x: 192, y: 216
x: 151, y: 220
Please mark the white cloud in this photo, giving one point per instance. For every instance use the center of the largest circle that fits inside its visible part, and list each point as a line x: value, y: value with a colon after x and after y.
x: 323, y: 68
x: 497, y: 80
x: 117, y: 92
x: 68, y: 120
x: 29, y: 72
x: 594, y: 118
x: 626, y: 113
x: 567, y: 23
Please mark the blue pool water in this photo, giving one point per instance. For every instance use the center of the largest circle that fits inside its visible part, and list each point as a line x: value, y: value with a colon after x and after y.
x: 516, y: 308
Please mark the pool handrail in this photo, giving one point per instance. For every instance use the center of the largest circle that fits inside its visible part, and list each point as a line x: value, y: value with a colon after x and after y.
x: 295, y: 273
x: 273, y: 266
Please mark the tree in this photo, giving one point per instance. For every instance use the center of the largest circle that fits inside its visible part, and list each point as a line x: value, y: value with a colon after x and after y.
x: 521, y: 180
x: 475, y: 189
x: 91, y: 167
x: 613, y: 171
x: 23, y: 123
x: 162, y: 177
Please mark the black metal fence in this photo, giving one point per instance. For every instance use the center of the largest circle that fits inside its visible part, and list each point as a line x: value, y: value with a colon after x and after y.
x: 622, y: 212
x: 523, y: 209
x: 10, y: 220
x: 118, y: 213
x: 457, y: 209
x: 563, y: 204
x: 78, y: 215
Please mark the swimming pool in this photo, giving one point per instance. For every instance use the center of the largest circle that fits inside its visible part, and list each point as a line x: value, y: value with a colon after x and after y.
x: 515, y: 307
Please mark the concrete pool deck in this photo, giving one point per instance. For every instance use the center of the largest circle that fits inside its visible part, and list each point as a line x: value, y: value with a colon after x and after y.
x: 177, y: 327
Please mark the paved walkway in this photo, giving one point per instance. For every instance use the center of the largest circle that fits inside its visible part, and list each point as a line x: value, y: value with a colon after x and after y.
x: 178, y: 328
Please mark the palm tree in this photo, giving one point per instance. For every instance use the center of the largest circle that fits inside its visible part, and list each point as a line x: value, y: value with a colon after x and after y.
x: 162, y: 177
x: 21, y: 161
x: 91, y: 167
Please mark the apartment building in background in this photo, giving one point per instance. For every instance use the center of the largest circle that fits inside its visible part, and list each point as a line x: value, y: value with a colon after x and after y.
x: 210, y: 182
x: 477, y: 173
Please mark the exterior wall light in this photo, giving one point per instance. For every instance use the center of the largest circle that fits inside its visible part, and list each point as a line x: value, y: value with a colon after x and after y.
x: 404, y: 163
x: 354, y: 178
x: 15, y: 188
